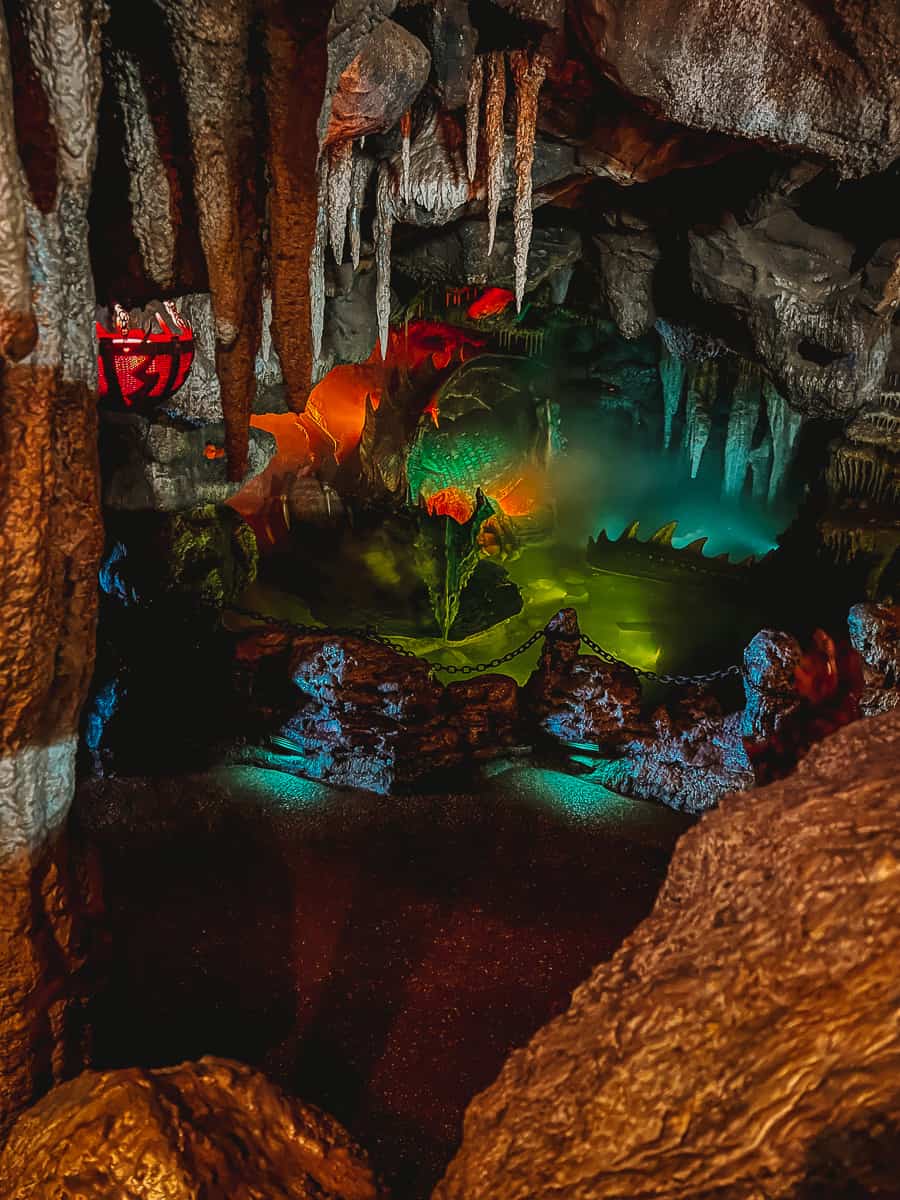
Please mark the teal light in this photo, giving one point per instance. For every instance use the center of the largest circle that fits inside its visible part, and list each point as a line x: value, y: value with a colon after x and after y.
x: 271, y: 786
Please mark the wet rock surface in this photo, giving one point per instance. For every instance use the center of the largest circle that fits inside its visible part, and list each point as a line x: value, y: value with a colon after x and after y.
x: 212, y: 1127
x: 679, y: 1069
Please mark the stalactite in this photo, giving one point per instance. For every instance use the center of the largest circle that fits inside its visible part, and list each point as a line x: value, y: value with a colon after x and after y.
x: 473, y: 115
x: 671, y: 373
x: 742, y: 422
x: 494, y: 138
x: 760, y: 462
x: 363, y: 166
x: 784, y: 425
x: 148, y: 183
x: 703, y: 383
x: 339, y: 183
x: 383, y: 229
x: 317, y: 269
x: 209, y: 42
x: 528, y: 73
x: 296, y: 64
x: 17, y: 326
x: 405, y: 135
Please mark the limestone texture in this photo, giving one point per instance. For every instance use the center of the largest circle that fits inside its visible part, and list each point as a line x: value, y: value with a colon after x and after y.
x: 50, y: 544
x: 211, y: 1128
x: 743, y: 1040
x: 822, y: 78
x: 158, y: 465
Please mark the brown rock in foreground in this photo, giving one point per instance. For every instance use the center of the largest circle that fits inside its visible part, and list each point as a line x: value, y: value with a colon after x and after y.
x: 213, y: 1128
x: 744, y: 1040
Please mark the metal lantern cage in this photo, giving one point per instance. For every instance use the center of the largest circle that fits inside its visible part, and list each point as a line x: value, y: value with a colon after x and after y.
x: 139, y: 370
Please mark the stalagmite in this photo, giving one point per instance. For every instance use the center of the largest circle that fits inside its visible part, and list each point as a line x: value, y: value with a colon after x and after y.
x: 473, y: 115
x: 784, y: 424
x: 494, y: 137
x: 383, y: 229
x: 742, y: 422
x: 363, y: 166
x: 528, y: 74
x: 317, y: 269
x: 760, y: 461
x: 702, y: 386
x: 51, y: 539
x: 671, y: 372
x: 339, y: 181
x: 148, y: 183
x: 17, y: 326
x: 405, y: 133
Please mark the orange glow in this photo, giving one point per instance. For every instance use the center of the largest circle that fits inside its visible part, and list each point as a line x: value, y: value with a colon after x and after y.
x: 491, y: 301
x: 337, y: 404
x: 450, y: 502
x: 212, y: 452
x: 522, y: 497
x: 261, y: 501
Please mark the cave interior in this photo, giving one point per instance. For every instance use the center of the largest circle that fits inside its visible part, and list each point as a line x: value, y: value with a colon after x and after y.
x: 447, y: 449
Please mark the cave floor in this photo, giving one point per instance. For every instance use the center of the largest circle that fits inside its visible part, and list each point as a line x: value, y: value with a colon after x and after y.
x: 377, y: 956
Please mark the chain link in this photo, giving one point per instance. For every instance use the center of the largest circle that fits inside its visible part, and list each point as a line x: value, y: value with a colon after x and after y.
x: 371, y: 634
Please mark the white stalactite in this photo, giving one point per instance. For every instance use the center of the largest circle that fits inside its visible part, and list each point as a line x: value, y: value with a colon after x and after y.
x: 742, y: 422
x: 405, y: 139
x: 339, y: 178
x: 384, y: 228
x: 529, y: 73
x: 701, y: 395
x: 473, y: 115
x: 494, y: 104
x: 317, y: 267
x: 671, y: 373
x: 362, y: 169
x: 784, y: 425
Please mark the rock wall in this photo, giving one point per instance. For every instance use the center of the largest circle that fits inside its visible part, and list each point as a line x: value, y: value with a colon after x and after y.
x: 743, y: 1039
x: 50, y: 534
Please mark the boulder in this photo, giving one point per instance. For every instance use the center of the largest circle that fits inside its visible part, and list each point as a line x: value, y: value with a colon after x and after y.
x: 743, y: 1040
x: 380, y: 84
x: 577, y: 697
x: 346, y: 710
x: 690, y: 762
x: 213, y: 1128
x: 875, y: 636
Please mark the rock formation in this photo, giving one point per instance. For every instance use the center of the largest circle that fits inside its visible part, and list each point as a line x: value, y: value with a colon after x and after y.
x: 742, y: 1041
x: 212, y: 1128
x: 50, y: 536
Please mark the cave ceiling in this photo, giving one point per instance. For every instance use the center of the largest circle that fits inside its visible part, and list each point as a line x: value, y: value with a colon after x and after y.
x: 730, y: 170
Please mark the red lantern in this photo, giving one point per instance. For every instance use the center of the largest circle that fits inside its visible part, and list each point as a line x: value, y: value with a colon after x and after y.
x: 138, y: 369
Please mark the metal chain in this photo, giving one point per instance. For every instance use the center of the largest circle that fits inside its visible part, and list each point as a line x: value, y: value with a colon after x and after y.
x: 676, y: 680
x: 371, y: 634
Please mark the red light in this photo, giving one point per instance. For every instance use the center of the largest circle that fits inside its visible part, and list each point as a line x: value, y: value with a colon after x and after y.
x: 450, y: 502
x: 492, y: 301
x: 140, y: 370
